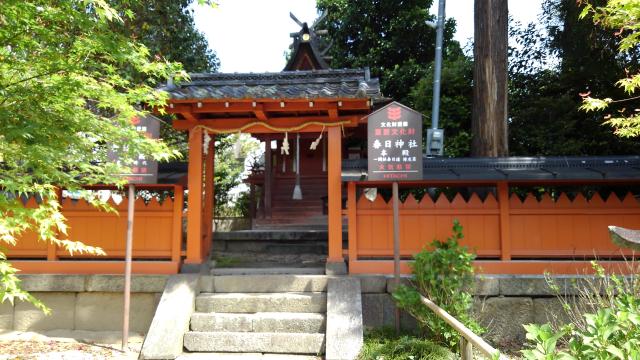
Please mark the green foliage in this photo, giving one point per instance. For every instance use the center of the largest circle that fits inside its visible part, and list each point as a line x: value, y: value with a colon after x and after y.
x: 66, y: 96
x: 397, y: 44
x: 391, y: 38
x: 443, y: 274
x: 226, y: 261
x: 455, y: 100
x: 168, y: 30
x: 545, y: 340
x: 10, y: 287
x: 548, y: 69
x: 612, y: 331
x: 229, y: 171
x: 622, y: 16
x: 385, y: 344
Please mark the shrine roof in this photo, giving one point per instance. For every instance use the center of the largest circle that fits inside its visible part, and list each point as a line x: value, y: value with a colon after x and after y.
x: 588, y: 168
x: 312, y: 84
x: 569, y: 168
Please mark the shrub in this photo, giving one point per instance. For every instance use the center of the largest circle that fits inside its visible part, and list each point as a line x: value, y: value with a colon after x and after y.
x: 444, y: 275
x: 610, y: 331
x: 385, y: 344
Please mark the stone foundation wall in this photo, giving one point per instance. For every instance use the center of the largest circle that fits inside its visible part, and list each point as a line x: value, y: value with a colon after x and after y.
x: 502, y: 304
x: 84, y: 302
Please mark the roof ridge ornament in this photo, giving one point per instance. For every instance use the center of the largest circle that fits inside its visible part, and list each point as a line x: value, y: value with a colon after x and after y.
x: 308, y: 51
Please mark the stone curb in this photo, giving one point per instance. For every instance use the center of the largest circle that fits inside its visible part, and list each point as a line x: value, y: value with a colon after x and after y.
x: 489, y: 285
x: 344, y: 319
x: 115, y: 283
x: 171, y: 321
x: 52, y: 283
x: 91, y: 283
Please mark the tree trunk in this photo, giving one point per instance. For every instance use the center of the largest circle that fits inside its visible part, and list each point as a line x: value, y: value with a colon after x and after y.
x: 489, y: 122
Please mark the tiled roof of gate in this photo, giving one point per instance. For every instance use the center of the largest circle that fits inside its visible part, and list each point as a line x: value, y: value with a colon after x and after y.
x: 487, y: 169
x: 516, y: 168
x: 278, y: 85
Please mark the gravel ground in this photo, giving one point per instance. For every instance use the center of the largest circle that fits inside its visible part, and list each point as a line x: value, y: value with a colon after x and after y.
x: 65, y: 344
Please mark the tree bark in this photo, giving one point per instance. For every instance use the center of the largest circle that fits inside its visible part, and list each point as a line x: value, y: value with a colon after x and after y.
x: 489, y: 122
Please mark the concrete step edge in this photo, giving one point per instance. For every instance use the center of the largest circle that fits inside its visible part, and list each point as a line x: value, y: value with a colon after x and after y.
x: 269, y: 271
x: 277, y: 322
x: 261, y: 294
x: 263, y: 283
x: 261, y: 302
x: 243, y: 356
x: 263, y: 342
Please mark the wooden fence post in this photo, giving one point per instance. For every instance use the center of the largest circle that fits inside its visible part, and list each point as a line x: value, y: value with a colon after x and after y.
x: 51, y: 247
x: 352, y: 215
x: 505, y: 232
x: 176, y: 241
x: 466, y: 349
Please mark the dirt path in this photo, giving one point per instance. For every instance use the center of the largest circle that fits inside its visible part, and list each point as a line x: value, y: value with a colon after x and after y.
x: 66, y: 345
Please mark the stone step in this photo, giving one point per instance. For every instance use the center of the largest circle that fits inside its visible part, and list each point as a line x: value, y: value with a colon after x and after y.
x: 288, y: 220
x: 314, y: 191
x: 263, y: 283
x: 310, y: 302
x: 294, y: 216
x: 296, y: 249
x: 269, y: 271
x: 312, y: 199
x: 303, y: 182
x: 259, y: 322
x: 243, y: 342
x: 302, y: 225
x: 294, y: 209
x: 244, y: 356
x: 284, y: 198
x: 282, y: 206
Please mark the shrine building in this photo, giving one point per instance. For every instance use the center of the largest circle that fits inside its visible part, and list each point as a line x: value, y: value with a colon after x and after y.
x: 521, y: 215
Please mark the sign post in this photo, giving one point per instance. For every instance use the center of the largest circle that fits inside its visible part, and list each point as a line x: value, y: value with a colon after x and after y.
x: 395, y: 154
x: 143, y: 171
x: 127, y: 266
x: 396, y: 245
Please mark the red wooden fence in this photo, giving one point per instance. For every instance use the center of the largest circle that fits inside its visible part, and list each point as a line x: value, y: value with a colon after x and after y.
x: 507, y: 234
x: 157, y: 238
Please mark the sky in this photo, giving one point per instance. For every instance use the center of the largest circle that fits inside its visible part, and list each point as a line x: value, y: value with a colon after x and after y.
x: 253, y: 35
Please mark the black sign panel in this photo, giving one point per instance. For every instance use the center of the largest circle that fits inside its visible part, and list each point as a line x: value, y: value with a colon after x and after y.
x: 143, y: 170
x: 395, y: 143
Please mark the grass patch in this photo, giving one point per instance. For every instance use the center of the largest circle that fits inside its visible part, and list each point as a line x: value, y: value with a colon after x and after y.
x: 226, y: 261
x: 384, y: 344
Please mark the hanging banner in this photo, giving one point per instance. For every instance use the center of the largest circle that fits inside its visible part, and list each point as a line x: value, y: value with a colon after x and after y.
x: 394, y: 144
x: 144, y: 170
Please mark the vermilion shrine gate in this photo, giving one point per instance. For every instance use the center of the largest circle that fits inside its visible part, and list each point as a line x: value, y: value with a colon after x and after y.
x: 511, y: 229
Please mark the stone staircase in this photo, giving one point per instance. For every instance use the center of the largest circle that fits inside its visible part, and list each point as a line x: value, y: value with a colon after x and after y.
x: 304, y: 213
x: 259, y: 317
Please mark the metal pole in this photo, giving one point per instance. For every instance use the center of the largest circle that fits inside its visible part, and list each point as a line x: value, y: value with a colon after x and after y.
x: 435, y: 110
x: 396, y: 246
x: 127, y: 268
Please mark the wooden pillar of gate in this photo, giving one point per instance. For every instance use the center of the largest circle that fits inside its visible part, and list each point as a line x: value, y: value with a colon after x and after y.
x: 268, y: 164
x: 334, y: 187
x: 209, y: 199
x: 194, y: 202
